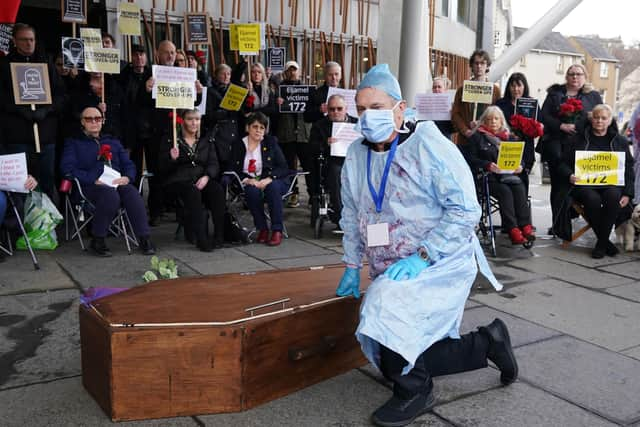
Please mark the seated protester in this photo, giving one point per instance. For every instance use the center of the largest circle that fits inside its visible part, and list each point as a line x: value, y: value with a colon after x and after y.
x: 259, y: 162
x: 88, y: 93
x: 191, y: 170
x: 441, y: 85
x: 30, y: 184
x: 601, y: 203
x: 261, y: 98
x: 481, y: 153
x: 84, y: 158
x: 321, y: 139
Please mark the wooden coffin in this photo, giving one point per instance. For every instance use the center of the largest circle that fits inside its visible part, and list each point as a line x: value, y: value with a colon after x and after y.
x: 216, y: 343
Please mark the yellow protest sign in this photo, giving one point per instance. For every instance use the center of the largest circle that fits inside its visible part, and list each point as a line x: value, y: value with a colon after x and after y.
x: 92, y: 37
x: 510, y: 155
x: 175, y: 95
x: 245, y: 38
x: 129, y: 18
x: 102, y: 60
x: 599, y: 167
x: 477, y: 92
x: 233, y: 98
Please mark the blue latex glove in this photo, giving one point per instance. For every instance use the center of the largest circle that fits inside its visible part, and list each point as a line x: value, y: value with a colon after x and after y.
x: 406, y: 268
x: 350, y: 283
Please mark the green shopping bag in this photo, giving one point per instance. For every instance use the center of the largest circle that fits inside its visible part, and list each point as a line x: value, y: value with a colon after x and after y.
x: 40, y: 220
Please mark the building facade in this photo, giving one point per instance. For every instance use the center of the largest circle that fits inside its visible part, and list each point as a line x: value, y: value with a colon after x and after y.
x: 602, y: 66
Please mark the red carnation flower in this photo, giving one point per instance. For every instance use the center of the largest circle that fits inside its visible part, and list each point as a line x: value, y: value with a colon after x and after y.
x: 104, y: 153
x: 250, y: 100
x: 252, y: 166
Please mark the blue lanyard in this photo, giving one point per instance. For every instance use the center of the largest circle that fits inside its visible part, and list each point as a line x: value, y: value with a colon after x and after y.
x: 379, y: 196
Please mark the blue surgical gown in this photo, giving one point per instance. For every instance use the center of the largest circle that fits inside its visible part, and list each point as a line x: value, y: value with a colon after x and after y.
x: 429, y: 201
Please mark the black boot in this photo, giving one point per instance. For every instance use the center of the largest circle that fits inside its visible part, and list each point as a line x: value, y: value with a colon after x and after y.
x: 500, y: 351
x: 204, y: 244
x: 400, y: 412
x: 146, y: 246
x: 99, y: 247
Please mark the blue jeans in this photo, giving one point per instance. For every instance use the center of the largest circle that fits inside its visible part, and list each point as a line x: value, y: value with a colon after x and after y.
x: 41, y: 166
x: 3, y: 206
x: 272, y: 194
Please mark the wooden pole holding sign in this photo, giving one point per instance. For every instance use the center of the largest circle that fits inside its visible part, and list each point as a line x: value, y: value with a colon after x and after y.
x: 175, y: 131
x: 36, y: 133
x: 475, y: 111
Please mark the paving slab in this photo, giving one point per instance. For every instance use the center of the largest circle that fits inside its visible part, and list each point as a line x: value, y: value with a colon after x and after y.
x: 521, y: 331
x: 517, y: 405
x: 600, y: 380
x: 290, y: 248
x: 315, y: 260
x: 471, y: 304
x: 633, y: 352
x: 570, y: 272
x: 581, y: 255
x: 346, y: 400
x: 598, y: 318
x: 226, y: 260
x: 630, y: 291
x: 41, y: 338
x: 65, y: 403
x: 629, y: 269
x: 18, y: 274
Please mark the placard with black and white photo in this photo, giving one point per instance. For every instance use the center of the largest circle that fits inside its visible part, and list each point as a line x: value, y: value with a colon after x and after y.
x: 72, y: 53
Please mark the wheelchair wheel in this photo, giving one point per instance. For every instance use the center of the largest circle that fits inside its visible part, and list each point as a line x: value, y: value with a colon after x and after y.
x: 317, y: 230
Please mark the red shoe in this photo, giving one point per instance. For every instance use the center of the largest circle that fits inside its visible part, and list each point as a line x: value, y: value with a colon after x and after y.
x: 528, y: 233
x: 263, y: 236
x: 516, y: 236
x: 276, y: 238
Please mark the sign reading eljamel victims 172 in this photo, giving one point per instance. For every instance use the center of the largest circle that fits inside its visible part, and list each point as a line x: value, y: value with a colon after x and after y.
x: 296, y: 98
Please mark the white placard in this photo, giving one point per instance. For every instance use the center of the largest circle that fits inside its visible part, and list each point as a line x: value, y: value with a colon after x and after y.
x: 349, y: 96
x: 345, y: 134
x: 13, y: 172
x: 108, y: 175
x: 166, y: 73
x: 433, y: 106
x: 202, y: 107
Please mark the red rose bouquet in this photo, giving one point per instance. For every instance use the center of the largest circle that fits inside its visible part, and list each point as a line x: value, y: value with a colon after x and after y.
x: 570, y: 110
x: 525, y: 127
x: 104, y: 154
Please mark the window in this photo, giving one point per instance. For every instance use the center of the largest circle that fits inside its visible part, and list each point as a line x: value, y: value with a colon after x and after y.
x: 603, y: 95
x: 464, y: 12
x: 559, y: 64
x: 523, y: 61
x: 497, y: 39
x: 444, y: 8
x: 604, y: 70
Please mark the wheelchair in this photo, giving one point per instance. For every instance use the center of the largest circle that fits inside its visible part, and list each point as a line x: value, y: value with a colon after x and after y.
x: 486, y: 229
x: 320, y: 202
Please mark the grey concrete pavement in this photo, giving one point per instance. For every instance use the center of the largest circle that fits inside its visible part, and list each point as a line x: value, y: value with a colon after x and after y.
x: 574, y: 321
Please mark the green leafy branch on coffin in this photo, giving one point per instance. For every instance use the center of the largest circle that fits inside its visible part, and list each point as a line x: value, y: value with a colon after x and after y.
x: 161, y: 269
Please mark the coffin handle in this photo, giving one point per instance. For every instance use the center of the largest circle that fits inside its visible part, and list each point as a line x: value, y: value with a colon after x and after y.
x: 326, y: 344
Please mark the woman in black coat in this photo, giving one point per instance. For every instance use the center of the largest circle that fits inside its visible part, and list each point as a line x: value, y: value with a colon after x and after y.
x: 557, y: 133
x: 601, y: 203
x: 191, y: 169
x: 260, y: 164
x: 518, y: 87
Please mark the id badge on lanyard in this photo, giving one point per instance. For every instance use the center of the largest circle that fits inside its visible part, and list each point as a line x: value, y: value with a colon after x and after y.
x: 378, y: 233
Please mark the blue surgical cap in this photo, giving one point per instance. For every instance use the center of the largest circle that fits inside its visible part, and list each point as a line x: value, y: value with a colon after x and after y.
x: 379, y: 77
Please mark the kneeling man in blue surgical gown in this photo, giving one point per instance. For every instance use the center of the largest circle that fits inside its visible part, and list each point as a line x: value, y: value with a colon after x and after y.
x: 410, y: 206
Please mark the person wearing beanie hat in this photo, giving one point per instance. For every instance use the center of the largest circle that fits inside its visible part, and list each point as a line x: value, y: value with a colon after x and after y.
x: 410, y: 206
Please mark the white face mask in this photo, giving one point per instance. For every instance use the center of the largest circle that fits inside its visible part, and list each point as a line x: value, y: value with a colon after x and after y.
x: 378, y: 125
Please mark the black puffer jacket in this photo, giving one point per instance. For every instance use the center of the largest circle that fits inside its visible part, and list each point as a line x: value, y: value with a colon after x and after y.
x: 192, y: 162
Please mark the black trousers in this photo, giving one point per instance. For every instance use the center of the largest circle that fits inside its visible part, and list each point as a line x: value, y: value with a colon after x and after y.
x: 334, y: 186
x: 601, y: 207
x: 448, y: 356
x: 195, y: 201
x: 514, y: 210
x: 308, y: 155
x: 553, y: 156
x: 155, y: 200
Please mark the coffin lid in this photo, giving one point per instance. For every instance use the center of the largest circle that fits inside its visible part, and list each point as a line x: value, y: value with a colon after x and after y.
x: 223, y: 298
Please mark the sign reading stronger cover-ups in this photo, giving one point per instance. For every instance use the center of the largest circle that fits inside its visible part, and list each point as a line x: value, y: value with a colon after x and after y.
x: 477, y: 92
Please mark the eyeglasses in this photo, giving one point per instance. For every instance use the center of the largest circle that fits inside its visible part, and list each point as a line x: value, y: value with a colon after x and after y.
x: 575, y: 74
x: 336, y: 108
x: 93, y: 119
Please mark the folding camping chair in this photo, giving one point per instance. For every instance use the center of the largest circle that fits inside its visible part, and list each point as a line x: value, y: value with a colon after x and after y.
x: 79, y: 210
x: 236, y: 199
x: 12, y: 221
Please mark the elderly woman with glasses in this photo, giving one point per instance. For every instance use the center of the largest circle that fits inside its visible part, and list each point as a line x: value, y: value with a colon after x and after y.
x: 559, y: 128
x: 86, y: 157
